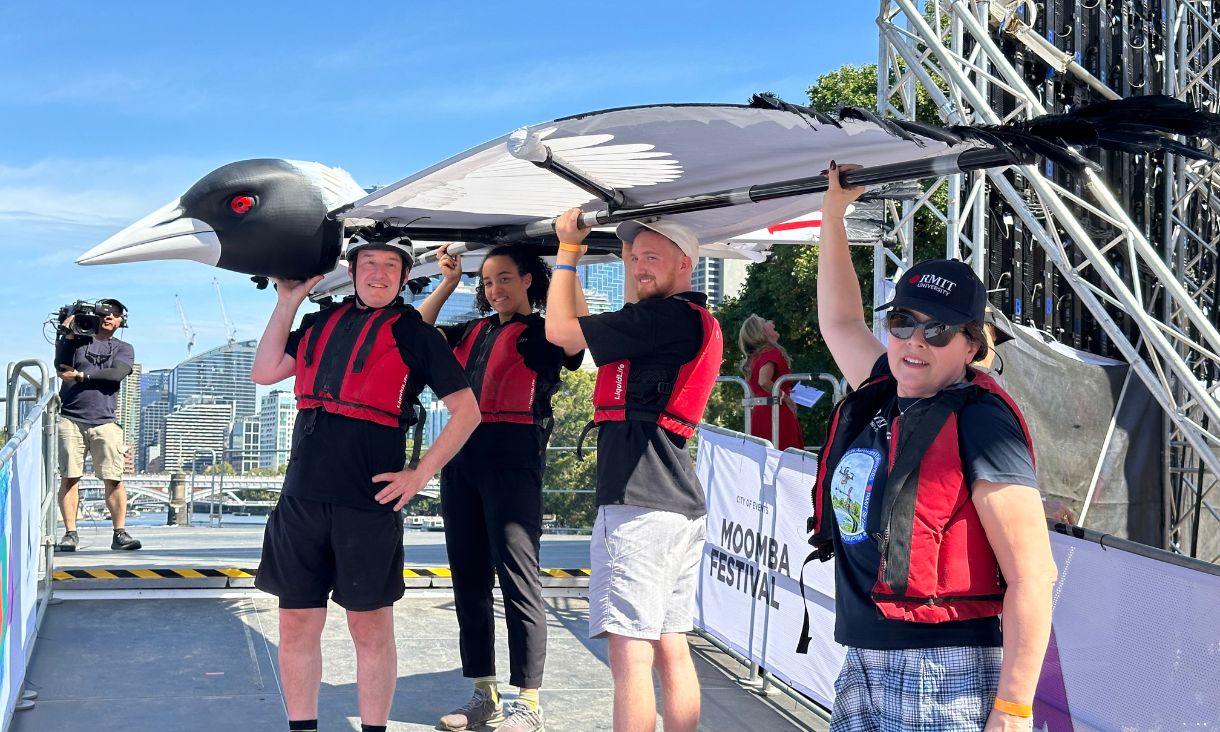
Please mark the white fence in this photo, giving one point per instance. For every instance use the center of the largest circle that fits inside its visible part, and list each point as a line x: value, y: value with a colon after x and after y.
x: 1136, y: 638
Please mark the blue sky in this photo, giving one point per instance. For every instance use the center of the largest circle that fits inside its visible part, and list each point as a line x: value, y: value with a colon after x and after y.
x: 110, y: 110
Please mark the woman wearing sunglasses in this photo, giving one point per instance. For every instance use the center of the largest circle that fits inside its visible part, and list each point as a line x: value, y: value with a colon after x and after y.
x: 926, y: 495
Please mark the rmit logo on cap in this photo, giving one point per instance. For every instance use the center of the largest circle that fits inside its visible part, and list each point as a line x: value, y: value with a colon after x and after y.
x: 940, y: 285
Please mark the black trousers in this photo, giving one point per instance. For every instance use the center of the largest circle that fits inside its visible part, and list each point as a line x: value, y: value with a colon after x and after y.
x: 493, y: 523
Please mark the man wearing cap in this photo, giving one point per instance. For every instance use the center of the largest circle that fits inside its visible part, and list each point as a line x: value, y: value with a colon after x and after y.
x: 92, y: 368
x: 658, y: 359
x: 337, y: 531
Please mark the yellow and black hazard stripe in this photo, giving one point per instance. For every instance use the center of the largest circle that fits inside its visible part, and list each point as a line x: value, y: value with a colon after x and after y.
x: 239, y: 573
x: 109, y: 574
x: 564, y: 572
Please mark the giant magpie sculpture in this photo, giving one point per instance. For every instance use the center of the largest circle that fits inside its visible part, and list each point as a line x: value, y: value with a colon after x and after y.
x: 721, y: 169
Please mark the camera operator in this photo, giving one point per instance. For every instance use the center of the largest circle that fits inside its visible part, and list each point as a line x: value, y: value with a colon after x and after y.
x: 92, y: 364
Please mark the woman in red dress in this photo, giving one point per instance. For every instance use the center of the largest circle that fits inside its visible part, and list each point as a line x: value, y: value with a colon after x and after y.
x: 765, y: 361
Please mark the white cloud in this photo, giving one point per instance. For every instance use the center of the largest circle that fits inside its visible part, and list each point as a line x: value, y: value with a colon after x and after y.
x: 96, y: 192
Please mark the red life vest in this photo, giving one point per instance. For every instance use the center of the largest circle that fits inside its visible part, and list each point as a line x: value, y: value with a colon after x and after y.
x: 505, y: 386
x: 941, y: 566
x: 348, y: 363
x: 674, y: 401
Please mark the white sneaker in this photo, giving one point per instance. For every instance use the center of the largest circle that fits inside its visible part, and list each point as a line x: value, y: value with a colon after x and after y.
x: 521, y: 718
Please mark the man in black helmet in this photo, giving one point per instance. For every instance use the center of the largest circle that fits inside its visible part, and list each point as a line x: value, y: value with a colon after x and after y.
x: 337, y: 531
x: 92, y: 368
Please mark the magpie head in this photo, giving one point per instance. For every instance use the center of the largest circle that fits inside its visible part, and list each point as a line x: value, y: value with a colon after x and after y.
x: 266, y: 217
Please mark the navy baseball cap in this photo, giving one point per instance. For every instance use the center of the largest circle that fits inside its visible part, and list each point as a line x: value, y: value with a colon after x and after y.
x: 943, y: 289
x: 109, y: 306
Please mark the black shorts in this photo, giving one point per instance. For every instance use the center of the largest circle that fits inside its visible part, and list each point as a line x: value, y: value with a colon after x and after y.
x: 314, y: 550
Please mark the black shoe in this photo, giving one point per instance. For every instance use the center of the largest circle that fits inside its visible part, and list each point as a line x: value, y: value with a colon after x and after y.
x: 123, y: 540
x: 68, y: 543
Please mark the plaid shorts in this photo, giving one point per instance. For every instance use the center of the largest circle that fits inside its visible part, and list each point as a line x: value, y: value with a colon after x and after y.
x: 927, y: 689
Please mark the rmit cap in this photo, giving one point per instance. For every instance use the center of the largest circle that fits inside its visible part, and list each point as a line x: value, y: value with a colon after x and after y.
x: 943, y: 289
x: 672, y: 230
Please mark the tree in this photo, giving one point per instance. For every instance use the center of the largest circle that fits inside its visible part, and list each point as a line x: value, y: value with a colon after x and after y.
x: 573, y: 408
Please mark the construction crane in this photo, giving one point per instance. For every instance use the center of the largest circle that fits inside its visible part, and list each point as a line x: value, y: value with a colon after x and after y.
x: 186, y: 326
x: 229, y: 327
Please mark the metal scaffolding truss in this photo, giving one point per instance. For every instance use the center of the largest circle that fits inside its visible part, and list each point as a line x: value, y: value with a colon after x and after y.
x: 950, y: 51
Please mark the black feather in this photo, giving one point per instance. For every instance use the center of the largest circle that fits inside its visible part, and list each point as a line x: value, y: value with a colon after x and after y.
x: 1133, y: 125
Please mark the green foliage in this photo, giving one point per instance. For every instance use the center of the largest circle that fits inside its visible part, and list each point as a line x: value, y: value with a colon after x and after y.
x: 573, y: 408
x: 849, y: 86
x: 784, y: 288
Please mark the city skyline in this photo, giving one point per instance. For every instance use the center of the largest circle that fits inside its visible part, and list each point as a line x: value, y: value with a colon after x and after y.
x: 125, y: 116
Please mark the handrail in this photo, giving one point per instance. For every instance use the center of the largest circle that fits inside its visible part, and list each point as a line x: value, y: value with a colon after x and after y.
x: 776, y: 401
x: 43, y: 412
x: 747, y: 401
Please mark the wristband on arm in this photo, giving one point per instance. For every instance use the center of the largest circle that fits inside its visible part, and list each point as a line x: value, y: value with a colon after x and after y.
x: 1016, y: 710
x: 565, y: 267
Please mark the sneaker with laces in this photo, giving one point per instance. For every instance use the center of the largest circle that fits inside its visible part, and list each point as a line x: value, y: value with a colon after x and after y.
x: 68, y: 543
x: 124, y: 540
x: 521, y: 717
x: 480, y: 710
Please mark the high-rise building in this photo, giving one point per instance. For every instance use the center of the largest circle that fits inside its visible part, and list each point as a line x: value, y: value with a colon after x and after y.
x: 222, y: 373
x: 195, y: 434
x: 606, y: 278
x: 244, y: 444
x: 459, y: 308
x: 127, y: 414
x: 277, y: 416
x: 156, y: 401
x: 26, y: 397
x: 719, y: 278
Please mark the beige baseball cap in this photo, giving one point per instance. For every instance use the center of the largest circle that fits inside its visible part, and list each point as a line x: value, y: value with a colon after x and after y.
x: 679, y: 234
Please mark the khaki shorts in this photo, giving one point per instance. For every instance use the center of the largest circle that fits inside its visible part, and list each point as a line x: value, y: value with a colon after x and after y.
x: 644, y: 566
x: 104, y: 442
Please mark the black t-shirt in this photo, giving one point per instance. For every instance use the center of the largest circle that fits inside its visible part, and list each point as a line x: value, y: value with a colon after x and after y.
x: 503, y: 444
x: 639, y: 463
x: 993, y: 449
x: 335, y: 457
x: 107, y: 362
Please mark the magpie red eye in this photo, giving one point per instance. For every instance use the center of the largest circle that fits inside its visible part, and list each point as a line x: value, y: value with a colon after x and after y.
x: 241, y: 204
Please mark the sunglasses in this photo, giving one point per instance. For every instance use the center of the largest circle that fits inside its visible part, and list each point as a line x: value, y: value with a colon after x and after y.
x: 902, y: 325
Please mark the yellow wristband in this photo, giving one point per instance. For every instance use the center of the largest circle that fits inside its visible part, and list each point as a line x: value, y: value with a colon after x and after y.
x: 1016, y: 710
x: 566, y: 247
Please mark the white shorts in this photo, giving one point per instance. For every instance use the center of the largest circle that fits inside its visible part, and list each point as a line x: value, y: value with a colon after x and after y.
x: 644, y: 567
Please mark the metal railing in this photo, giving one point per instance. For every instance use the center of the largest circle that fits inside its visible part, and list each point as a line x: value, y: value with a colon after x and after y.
x: 39, y: 423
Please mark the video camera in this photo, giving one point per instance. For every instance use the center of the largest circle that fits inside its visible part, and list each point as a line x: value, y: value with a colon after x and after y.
x: 87, y: 316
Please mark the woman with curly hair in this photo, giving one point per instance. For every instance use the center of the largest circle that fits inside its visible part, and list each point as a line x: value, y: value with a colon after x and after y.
x: 765, y: 361
x: 491, y: 492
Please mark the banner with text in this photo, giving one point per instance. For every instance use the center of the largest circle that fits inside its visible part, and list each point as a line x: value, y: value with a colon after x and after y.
x: 1134, y: 645
x: 749, y: 594
x: 20, y: 509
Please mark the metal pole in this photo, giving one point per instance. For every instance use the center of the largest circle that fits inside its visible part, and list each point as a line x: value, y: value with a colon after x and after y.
x: 746, y: 400
x: 777, y: 402
x: 963, y: 161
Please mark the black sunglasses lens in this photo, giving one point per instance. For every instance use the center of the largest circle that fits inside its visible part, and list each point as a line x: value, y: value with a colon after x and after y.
x: 904, y: 325
x: 938, y: 334
x: 901, y: 325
